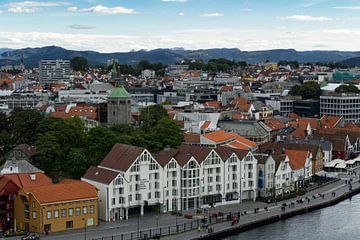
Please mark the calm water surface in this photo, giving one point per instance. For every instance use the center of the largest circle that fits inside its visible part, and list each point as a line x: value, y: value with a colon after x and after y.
x: 339, y: 222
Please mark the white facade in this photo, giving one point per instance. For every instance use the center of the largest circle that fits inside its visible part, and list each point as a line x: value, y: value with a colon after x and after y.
x: 148, y: 73
x: 222, y: 176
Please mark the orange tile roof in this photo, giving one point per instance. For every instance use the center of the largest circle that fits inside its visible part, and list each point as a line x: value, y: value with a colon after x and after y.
x: 23, y: 180
x: 238, y: 116
x: 215, y: 104
x: 293, y: 115
x: 226, y: 88
x: 303, y: 123
x: 191, y: 138
x: 237, y: 145
x: 205, y: 125
x: 275, y: 124
x: 298, y: 133
x: 329, y: 121
x: 244, y: 140
x: 297, y: 158
x: 241, y: 103
x: 218, y: 136
x: 64, y: 192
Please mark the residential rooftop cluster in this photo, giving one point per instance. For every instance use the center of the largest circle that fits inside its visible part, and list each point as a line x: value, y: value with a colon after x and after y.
x: 252, y: 131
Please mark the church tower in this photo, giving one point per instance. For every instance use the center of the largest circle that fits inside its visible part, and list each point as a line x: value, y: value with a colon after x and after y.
x: 119, y: 106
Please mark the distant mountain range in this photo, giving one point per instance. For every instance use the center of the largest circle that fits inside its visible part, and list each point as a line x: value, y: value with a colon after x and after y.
x: 171, y: 56
x: 352, y: 61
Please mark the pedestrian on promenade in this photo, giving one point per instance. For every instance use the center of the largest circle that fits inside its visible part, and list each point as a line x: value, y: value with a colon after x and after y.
x: 308, y: 200
x: 323, y: 196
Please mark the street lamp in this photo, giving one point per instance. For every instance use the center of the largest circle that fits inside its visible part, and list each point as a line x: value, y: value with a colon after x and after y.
x: 85, y: 227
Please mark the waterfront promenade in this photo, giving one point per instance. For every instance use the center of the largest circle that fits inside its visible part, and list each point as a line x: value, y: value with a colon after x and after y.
x: 113, y: 230
x: 275, y: 212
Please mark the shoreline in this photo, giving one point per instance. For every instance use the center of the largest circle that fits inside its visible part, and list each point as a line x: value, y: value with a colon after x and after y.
x: 234, y: 230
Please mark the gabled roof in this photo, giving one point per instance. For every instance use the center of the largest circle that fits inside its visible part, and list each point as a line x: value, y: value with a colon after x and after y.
x: 121, y: 157
x: 28, y: 150
x: 275, y: 124
x: 330, y: 121
x: 163, y: 157
x: 100, y: 175
x: 63, y: 192
x: 218, y: 136
x: 23, y: 166
x: 297, y: 158
x: 191, y: 138
x: 24, y: 180
x: 298, y: 133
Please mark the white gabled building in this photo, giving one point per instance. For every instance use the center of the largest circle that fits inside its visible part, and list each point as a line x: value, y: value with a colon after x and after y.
x: 283, y: 183
x: 130, y: 179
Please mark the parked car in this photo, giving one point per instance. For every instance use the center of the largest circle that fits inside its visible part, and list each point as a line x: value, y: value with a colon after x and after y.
x: 31, y: 236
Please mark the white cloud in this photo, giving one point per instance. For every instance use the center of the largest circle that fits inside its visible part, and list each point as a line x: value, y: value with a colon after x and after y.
x: 306, y: 18
x: 244, y: 39
x: 347, y: 7
x: 72, y: 9
x: 108, y: 10
x: 180, y: 1
x: 80, y: 27
x: 181, y: 14
x: 29, y: 4
x: 23, y: 10
x: 212, y: 15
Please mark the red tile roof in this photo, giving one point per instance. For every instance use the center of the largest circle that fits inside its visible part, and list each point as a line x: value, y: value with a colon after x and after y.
x: 205, y: 125
x: 275, y: 124
x: 297, y: 158
x: 121, y: 157
x: 23, y: 180
x: 100, y: 175
x: 64, y: 192
x: 329, y: 121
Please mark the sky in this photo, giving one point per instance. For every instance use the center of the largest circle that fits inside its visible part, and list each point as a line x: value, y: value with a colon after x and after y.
x: 125, y: 25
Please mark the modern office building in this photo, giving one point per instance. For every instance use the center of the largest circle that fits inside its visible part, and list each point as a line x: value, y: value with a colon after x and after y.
x: 346, y: 105
x: 54, y: 71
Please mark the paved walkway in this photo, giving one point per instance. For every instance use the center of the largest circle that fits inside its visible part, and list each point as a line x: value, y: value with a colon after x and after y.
x: 274, y: 210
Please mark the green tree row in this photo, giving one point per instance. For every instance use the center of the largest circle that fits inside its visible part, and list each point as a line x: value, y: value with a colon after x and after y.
x: 66, y: 150
x: 308, y: 90
x: 215, y: 65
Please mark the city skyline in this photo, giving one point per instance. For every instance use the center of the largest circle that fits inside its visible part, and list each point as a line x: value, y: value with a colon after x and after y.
x: 124, y: 25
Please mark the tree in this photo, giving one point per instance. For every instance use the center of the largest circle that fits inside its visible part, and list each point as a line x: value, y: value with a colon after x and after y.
x: 351, y: 88
x: 309, y: 90
x: 100, y: 140
x: 79, y: 63
x: 166, y: 133
x: 23, y: 124
x: 151, y: 115
x: 55, y: 145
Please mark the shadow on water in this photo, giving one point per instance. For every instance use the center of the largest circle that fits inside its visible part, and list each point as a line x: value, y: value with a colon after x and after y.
x: 339, y: 222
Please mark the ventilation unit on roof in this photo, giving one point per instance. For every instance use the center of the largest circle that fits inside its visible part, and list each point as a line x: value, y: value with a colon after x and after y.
x: 33, y: 177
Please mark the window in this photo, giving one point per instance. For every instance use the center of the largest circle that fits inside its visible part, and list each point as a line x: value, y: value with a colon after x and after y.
x: 48, y: 214
x: 92, y: 209
x: 34, y: 215
x: 63, y: 212
x: 69, y: 224
x: 85, y: 210
x: 71, y: 211
x: 113, y: 201
x: 78, y: 211
x: 56, y: 213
